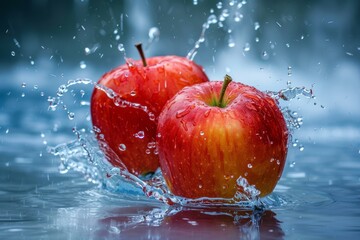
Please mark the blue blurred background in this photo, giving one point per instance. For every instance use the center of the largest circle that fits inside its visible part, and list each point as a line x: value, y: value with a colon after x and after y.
x: 272, y: 45
x: 45, y: 43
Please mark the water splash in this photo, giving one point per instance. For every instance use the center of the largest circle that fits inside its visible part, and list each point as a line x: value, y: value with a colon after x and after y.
x: 83, y: 155
x: 219, y: 19
x: 293, y: 120
x: 55, y: 102
x: 120, y: 102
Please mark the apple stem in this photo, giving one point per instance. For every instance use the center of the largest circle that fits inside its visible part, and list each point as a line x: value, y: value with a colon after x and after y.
x: 227, y: 80
x: 141, y: 52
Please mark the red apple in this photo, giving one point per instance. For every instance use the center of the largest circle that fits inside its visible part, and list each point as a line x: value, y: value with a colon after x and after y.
x: 208, y: 139
x: 128, y: 131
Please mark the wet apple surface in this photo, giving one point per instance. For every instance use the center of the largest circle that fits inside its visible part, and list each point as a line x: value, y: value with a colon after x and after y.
x: 125, y: 122
x: 206, y: 144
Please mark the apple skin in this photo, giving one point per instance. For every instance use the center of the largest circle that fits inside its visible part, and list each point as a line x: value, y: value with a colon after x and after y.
x: 151, y: 86
x: 203, y: 149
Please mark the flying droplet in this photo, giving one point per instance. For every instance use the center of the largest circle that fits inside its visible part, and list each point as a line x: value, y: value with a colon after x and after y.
x: 265, y: 55
x: 71, y: 115
x: 256, y: 26
x: 121, y: 47
x: 247, y: 47
x: 82, y: 65
x: 154, y: 33
x: 238, y: 16
x: 292, y: 164
x: 231, y: 42
x: 13, y: 53
x: 87, y: 51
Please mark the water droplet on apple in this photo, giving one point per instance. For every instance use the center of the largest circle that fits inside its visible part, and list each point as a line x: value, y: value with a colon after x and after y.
x: 147, y: 151
x: 200, y: 186
x: 139, y: 134
x: 202, y: 133
x: 151, y: 116
x: 151, y: 145
x: 249, y: 165
x: 183, y: 113
x: 133, y: 93
x: 96, y: 129
x: 122, y: 147
x: 278, y: 162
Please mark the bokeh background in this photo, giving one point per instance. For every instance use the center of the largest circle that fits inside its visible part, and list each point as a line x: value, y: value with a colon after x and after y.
x: 272, y: 45
x: 44, y: 43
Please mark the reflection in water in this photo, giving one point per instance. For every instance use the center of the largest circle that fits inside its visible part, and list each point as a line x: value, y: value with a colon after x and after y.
x: 173, y: 223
